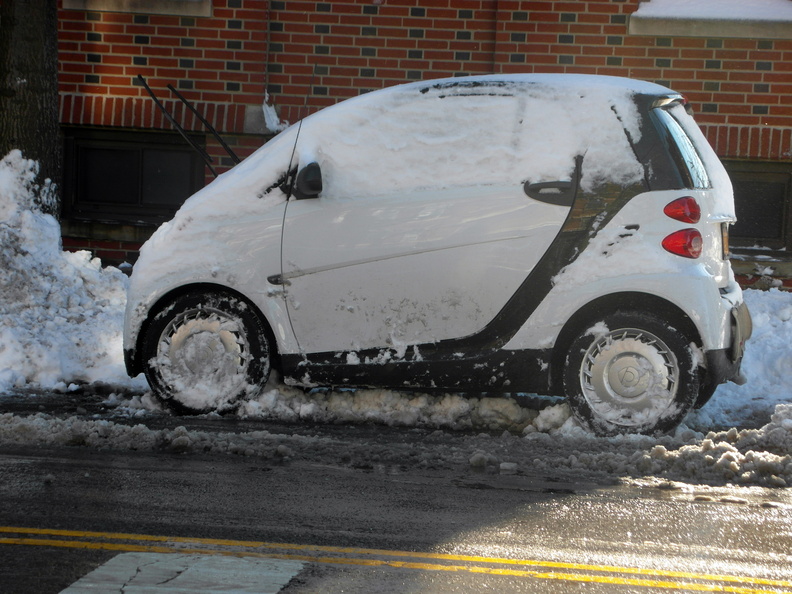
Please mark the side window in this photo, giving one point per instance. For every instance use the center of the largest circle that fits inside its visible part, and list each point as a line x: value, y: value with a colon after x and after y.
x: 465, y: 136
x: 684, y: 153
x: 403, y: 144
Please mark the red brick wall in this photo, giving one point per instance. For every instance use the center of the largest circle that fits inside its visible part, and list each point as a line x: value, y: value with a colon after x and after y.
x: 346, y: 47
x: 214, y: 61
x: 741, y: 88
x: 109, y: 251
x: 217, y: 63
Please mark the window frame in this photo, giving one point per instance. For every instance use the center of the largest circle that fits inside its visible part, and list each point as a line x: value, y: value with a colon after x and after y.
x: 767, y: 171
x: 77, y: 137
x: 195, y: 8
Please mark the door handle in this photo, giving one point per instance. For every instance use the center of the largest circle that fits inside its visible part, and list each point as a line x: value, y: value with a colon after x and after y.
x: 560, y: 193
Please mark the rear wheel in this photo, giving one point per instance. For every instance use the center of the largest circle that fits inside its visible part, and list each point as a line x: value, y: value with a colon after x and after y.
x: 632, y: 373
x: 203, y: 352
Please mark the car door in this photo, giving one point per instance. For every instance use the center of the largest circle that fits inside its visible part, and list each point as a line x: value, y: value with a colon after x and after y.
x: 419, y: 234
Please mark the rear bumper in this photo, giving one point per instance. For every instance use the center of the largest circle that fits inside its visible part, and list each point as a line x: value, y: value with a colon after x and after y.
x: 742, y: 328
x: 723, y: 365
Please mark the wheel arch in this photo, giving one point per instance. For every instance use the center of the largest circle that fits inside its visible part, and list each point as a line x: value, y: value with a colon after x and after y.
x: 603, y: 306
x: 167, y: 298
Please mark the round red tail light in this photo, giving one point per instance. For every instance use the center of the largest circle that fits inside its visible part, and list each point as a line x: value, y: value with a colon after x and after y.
x: 686, y: 243
x: 684, y: 209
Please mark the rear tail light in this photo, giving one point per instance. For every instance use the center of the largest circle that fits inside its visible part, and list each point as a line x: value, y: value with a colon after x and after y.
x: 686, y: 243
x: 685, y: 209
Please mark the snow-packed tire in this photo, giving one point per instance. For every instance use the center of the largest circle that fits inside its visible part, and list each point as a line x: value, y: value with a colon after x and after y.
x: 631, y: 373
x: 204, y: 352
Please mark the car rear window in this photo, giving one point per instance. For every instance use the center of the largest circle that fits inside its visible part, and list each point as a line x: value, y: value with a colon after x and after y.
x: 684, y: 153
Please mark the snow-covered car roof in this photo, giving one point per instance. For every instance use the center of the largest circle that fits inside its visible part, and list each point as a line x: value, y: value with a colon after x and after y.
x: 562, y: 130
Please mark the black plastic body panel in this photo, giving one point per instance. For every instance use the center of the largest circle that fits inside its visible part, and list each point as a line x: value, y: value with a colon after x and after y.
x: 493, y: 371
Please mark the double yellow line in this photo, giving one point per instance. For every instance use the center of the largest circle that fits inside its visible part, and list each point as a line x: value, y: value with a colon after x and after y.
x: 496, y: 566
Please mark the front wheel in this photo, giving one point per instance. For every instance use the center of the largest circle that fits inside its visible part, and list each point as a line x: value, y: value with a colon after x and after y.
x: 631, y: 373
x: 204, y: 351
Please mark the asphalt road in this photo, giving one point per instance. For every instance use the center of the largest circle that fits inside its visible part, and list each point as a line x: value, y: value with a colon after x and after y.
x: 66, y: 511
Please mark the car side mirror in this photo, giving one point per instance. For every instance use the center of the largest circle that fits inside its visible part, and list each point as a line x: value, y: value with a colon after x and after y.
x: 309, y: 182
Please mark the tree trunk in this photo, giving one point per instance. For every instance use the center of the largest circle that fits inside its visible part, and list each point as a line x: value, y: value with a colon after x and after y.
x: 29, y: 90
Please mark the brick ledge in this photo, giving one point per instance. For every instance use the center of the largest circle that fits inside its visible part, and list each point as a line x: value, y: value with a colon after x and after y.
x: 716, y: 28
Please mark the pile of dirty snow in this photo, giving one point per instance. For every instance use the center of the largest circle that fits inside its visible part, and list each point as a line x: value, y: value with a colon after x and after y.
x: 752, y: 457
x: 61, y: 313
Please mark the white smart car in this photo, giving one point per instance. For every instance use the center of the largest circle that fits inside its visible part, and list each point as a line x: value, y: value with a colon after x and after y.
x: 550, y: 234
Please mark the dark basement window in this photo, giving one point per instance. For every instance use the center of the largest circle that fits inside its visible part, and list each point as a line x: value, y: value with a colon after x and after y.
x: 126, y: 176
x: 763, y: 201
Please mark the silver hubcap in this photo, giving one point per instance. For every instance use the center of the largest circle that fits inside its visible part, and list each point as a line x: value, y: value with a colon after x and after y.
x: 203, y: 355
x: 629, y: 377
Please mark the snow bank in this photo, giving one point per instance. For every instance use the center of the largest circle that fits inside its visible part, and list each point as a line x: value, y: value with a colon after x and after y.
x: 767, y: 365
x: 60, y: 312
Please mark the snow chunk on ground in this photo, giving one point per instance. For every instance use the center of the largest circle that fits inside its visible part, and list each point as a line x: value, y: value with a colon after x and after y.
x: 61, y: 313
